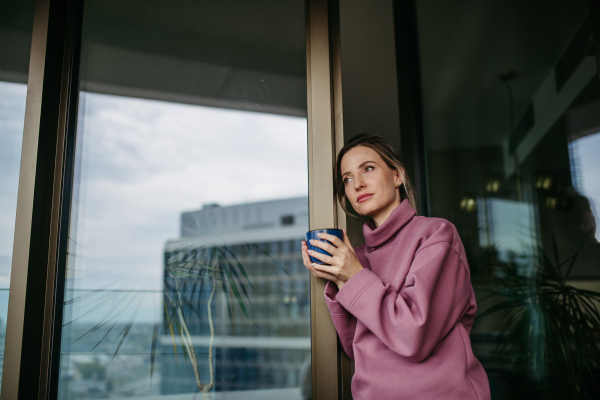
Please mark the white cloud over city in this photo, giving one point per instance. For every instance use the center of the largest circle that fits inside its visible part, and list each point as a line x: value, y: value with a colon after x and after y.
x: 12, y: 116
x: 143, y: 162
x: 140, y: 164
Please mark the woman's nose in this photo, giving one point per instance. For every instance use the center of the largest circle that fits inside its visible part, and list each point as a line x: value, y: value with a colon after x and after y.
x: 358, y: 183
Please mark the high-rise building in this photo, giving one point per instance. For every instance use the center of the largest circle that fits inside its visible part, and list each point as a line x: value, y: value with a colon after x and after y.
x: 261, y: 307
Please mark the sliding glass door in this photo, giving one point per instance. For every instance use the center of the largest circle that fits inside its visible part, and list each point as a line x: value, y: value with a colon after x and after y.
x: 511, y: 115
x: 16, y: 20
x: 173, y: 157
x: 190, y: 198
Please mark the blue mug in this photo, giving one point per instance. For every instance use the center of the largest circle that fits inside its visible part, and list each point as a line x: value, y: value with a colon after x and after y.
x: 313, y: 235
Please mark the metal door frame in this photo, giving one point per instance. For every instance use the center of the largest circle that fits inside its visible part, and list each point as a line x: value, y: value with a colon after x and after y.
x: 35, y: 301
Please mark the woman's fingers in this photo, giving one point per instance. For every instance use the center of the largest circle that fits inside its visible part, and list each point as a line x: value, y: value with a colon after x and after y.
x: 313, y: 271
x: 326, y: 268
x: 305, y: 256
x: 323, y: 245
x: 320, y: 256
x: 320, y: 271
x: 325, y: 275
x: 340, y: 266
x: 321, y: 274
x: 333, y: 239
x: 309, y: 265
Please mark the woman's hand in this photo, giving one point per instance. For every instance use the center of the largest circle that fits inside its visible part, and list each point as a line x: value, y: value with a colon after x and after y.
x: 342, y: 265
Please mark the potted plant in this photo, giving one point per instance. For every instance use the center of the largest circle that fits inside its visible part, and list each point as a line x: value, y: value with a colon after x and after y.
x: 549, y: 333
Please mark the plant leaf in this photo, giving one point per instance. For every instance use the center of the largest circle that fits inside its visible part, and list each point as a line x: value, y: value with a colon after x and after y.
x: 271, y: 258
x: 153, y: 351
x: 127, y: 328
x: 234, y: 289
x: 240, y: 267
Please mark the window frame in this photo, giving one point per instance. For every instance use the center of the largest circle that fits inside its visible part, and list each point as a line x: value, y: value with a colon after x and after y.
x: 32, y: 354
x: 38, y: 218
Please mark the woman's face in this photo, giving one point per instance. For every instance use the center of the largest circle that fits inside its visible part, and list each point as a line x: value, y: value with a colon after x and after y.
x: 371, y: 185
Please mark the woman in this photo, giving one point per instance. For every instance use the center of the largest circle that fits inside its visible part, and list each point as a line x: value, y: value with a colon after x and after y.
x: 402, y: 304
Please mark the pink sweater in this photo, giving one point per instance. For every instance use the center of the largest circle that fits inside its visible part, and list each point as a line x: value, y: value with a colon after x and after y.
x: 405, y: 319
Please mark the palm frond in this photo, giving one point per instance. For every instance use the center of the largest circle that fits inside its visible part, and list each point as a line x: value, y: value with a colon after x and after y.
x: 190, y: 275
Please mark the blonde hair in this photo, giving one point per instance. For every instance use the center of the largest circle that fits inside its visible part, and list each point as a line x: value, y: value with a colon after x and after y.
x: 387, y: 153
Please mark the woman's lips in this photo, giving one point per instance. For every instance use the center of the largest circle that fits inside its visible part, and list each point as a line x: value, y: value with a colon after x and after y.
x: 364, y: 197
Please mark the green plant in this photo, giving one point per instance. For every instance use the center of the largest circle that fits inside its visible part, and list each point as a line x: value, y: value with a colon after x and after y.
x: 549, y: 328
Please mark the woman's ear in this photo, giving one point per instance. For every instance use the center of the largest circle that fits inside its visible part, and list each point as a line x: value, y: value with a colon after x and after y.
x: 399, y: 177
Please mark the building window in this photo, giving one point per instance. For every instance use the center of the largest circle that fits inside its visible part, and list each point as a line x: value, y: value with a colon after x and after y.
x: 287, y: 220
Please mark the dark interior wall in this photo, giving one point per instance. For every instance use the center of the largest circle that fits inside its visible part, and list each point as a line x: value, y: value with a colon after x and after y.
x: 16, y: 24
x: 465, y: 44
x: 175, y: 52
x: 456, y: 174
x: 369, y: 87
x: 369, y: 84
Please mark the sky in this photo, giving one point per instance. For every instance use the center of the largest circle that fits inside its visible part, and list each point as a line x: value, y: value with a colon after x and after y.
x: 587, y: 152
x: 12, y: 116
x: 511, y: 228
x: 143, y: 162
x: 140, y: 164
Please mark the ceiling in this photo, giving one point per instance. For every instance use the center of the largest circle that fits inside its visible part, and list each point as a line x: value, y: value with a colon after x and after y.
x: 16, y: 24
x: 175, y: 51
x: 231, y: 53
x: 465, y: 44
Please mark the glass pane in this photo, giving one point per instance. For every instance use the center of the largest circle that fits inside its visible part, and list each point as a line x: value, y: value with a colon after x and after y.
x: 16, y: 25
x: 511, y: 101
x: 184, y: 274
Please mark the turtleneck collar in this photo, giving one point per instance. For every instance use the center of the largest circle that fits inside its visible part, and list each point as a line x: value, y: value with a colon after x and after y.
x: 376, y: 236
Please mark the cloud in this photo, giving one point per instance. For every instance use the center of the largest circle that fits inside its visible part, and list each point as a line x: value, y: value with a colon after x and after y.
x: 142, y: 162
x: 586, y: 152
x: 12, y: 116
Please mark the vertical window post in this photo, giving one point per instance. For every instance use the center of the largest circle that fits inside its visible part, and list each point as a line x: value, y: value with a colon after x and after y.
x: 330, y: 368
x: 31, y: 299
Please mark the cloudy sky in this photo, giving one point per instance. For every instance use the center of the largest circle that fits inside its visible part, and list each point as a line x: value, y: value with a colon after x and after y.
x: 143, y: 162
x: 140, y: 164
x: 587, y: 152
x: 12, y: 115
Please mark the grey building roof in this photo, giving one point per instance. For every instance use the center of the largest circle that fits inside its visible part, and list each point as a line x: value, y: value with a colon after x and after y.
x: 257, y: 221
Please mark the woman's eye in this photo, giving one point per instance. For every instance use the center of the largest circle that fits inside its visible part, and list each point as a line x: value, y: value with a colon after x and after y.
x: 369, y: 168
x: 347, y: 181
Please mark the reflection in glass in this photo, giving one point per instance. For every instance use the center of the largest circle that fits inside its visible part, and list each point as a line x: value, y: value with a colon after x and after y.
x: 585, y: 170
x: 16, y: 25
x: 511, y: 106
x: 184, y: 273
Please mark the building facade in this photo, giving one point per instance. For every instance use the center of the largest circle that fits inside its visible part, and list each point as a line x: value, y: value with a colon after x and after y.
x: 270, y: 346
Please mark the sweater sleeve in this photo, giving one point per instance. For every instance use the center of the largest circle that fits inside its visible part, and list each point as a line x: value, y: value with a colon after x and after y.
x: 344, y: 322
x: 412, y: 322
